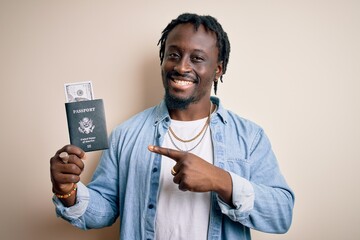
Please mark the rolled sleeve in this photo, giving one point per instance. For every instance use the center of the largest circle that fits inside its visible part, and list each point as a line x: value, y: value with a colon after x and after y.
x: 74, y: 213
x: 243, y: 197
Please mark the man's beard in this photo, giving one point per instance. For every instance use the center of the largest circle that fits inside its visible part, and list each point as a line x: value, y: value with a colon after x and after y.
x: 173, y: 102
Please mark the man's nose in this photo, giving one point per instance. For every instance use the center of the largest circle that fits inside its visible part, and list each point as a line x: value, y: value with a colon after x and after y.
x: 183, y: 66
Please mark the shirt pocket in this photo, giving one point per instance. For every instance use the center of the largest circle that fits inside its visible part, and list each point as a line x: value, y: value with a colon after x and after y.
x: 238, y: 166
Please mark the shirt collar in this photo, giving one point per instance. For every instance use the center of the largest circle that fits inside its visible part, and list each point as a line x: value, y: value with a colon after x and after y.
x: 221, y: 111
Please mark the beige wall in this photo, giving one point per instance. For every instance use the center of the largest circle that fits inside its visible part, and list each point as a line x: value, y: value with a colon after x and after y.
x: 294, y: 69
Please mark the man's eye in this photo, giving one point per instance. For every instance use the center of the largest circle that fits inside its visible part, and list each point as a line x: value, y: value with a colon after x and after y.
x: 198, y: 59
x: 173, y: 55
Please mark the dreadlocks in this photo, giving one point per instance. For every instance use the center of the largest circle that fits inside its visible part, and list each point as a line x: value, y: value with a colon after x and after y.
x: 210, y: 23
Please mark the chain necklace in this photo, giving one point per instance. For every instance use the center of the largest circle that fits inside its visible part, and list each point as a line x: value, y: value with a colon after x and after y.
x: 189, y: 150
x: 203, y: 132
x: 197, y: 135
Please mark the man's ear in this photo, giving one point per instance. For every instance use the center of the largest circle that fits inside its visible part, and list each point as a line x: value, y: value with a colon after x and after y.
x: 218, y: 70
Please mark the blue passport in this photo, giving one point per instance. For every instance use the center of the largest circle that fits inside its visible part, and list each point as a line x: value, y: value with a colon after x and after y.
x: 87, y: 124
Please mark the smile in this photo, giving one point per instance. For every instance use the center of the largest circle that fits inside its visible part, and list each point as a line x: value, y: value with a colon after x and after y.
x: 182, y: 82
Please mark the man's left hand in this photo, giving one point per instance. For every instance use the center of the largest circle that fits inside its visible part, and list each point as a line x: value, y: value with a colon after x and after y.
x: 194, y: 174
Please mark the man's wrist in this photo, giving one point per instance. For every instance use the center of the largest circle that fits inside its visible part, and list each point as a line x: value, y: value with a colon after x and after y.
x: 224, y: 186
x: 67, y: 195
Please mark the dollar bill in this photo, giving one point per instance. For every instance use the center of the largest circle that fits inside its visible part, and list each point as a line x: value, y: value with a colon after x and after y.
x: 80, y: 91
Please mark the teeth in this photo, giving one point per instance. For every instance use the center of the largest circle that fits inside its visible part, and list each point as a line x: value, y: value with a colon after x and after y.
x: 182, y: 83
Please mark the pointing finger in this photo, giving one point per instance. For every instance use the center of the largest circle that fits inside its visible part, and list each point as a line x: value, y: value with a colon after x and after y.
x: 171, y: 153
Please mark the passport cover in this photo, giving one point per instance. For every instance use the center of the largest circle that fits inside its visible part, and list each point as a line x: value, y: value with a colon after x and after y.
x: 87, y: 124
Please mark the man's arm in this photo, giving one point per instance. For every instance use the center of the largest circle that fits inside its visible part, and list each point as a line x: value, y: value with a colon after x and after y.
x: 263, y: 202
x: 270, y: 207
x: 83, y: 208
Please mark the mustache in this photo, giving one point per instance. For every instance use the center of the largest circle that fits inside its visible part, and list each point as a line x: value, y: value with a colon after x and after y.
x: 175, y: 74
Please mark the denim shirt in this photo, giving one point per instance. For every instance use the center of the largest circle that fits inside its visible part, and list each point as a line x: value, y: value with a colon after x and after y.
x: 126, y: 181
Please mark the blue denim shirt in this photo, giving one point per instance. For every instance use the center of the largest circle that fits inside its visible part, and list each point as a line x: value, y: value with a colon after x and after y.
x: 126, y: 181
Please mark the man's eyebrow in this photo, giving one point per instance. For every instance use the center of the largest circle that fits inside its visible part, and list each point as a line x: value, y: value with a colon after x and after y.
x: 199, y: 50
x: 194, y: 50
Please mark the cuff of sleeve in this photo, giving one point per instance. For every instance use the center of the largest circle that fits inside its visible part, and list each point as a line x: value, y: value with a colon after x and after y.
x: 77, y: 210
x: 243, y: 197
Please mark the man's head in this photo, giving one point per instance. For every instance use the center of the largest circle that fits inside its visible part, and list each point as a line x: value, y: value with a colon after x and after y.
x: 181, y: 43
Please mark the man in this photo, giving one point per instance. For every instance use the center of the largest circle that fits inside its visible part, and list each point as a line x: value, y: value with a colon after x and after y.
x: 187, y: 168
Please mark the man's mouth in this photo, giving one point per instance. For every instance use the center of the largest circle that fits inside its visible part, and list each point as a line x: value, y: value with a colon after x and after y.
x: 182, y: 82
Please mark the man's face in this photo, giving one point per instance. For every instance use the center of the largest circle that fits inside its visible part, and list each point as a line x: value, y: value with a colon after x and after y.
x: 190, y: 66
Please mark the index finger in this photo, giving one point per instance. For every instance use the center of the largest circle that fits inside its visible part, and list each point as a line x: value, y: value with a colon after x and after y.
x: 170, y: 153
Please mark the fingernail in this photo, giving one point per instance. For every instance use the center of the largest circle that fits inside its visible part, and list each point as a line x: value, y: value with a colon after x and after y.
x: 64, y: 157
x: 151, y: 147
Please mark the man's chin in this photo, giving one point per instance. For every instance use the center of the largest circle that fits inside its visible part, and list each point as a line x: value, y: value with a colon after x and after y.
x: 173, y: 102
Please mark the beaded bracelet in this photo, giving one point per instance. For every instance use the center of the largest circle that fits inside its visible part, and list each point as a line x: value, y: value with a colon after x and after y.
x: 68, y: 194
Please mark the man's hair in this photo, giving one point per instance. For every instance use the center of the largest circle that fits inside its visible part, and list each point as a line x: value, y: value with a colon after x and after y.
x: 210, y: 23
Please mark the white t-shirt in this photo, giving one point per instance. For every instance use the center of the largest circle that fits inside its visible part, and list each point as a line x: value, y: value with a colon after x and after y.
x: 183, y: 214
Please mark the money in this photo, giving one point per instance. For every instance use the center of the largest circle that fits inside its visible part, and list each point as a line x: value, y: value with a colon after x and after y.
x: 81, y: 91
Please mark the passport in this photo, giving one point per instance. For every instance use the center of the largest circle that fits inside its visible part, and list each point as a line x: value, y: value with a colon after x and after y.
x: 87, y: 124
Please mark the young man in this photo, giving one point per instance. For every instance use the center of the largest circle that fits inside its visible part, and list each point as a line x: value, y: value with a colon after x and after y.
x: 187, y: 168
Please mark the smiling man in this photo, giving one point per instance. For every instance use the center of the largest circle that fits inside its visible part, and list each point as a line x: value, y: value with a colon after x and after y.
x: 187, y: 168
x: 190, y: 65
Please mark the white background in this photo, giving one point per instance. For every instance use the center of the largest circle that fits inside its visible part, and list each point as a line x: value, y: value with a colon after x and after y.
x: 294, y: 69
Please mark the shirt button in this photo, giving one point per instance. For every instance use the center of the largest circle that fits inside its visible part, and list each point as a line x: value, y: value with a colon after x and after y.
x: 151, y: 206
x: 159, y: 136
x: 154, y: 170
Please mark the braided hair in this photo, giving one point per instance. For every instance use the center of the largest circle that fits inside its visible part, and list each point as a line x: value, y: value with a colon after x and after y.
x: 210, y: 23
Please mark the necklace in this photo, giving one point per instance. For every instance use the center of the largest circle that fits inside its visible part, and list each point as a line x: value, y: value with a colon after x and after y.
x: 197, y: 135
x: 189, y: 150
x: 203, y: 132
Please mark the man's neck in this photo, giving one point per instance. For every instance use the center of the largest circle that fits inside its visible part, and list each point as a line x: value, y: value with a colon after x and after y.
x: 192, y: 112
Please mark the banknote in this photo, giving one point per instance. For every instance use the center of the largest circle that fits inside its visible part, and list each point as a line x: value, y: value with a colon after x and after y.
x: 80, y: 91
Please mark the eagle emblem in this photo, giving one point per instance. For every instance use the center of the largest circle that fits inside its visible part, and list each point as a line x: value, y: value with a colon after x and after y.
x: 86, y: 125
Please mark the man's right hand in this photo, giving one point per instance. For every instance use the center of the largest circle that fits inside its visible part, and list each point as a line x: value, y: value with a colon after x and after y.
x: 65, y: 175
